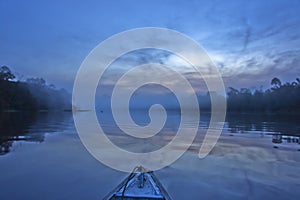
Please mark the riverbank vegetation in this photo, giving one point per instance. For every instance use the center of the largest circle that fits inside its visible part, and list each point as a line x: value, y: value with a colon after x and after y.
x: 283, y: 98
x: 36, y: 94
x: 32, y: 94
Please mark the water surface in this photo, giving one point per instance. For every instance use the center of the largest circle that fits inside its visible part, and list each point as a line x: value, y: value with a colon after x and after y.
x: 256, y: 157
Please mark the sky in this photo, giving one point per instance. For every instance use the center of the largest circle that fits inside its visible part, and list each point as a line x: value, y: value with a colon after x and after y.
x: 249, y: 41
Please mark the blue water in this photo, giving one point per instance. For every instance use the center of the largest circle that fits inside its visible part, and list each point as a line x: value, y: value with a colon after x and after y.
x: 42, y: 158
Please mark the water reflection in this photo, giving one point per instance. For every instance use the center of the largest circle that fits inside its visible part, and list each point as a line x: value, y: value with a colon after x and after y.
x: 32, y: 127
x: 278, y: 139
x: 29, y: 126
x: 285, y: 129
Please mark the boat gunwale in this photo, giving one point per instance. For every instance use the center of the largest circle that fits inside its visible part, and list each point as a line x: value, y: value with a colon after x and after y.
x: 159, y: 185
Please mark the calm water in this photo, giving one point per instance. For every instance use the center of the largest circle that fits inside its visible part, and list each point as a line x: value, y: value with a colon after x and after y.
x: 41, y: 157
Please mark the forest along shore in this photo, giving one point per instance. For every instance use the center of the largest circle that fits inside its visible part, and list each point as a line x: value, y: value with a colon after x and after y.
x: 33, y: 94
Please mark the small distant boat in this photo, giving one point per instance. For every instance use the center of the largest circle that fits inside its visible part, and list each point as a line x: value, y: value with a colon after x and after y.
x: 141, y: 185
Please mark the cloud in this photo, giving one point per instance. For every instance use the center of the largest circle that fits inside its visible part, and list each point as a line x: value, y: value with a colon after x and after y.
x: 253, y: 39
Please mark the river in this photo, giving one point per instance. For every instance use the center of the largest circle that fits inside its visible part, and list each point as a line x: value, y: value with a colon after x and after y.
x: 256, y: 157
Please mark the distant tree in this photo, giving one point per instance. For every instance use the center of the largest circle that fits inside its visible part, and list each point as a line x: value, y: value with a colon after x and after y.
x: 258, y: 100
x: 36, y: 81
x: 298, y: 81
x: 276, y: 82
x: 6, y: 74
x: 294, y: 84
x: 281, y: 97
x: 232, y: 99
x: 232, y: 91
x: 51, y: 86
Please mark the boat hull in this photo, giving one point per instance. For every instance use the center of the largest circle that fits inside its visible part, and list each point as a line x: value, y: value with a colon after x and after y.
x: 142, y: 186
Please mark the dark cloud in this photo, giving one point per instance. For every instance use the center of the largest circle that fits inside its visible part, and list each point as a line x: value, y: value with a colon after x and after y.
x: 142, y: 56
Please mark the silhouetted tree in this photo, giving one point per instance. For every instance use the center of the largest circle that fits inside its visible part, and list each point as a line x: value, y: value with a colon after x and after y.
x: 280, y: 98
x: 36, y: 81
x: 33, y: 94
x: 6, y: 74
x: 276, y: 82
x: 298, y: 81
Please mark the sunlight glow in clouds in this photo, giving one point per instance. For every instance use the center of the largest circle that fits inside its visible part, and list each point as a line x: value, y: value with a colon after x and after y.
x: 248, y: 40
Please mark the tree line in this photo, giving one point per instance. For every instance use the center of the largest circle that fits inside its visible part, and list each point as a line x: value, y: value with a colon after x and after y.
x: 279, y: 98
x: 32, y: 94
x: 36, y: 94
